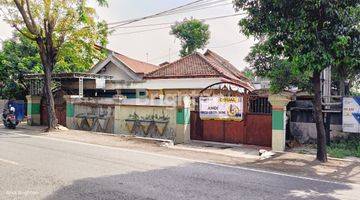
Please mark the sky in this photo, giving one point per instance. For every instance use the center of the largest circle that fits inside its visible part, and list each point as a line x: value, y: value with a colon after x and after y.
x: 157, y: 46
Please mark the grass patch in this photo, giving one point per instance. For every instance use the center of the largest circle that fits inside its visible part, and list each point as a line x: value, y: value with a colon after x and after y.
x: 350, y: 147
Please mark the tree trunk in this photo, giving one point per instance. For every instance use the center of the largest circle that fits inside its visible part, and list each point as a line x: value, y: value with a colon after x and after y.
x: 342, y: 86
x: 320, y: 128
x: 52, y: 120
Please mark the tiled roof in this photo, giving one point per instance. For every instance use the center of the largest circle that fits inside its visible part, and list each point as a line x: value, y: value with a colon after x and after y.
x: 197, y: 65
x: 193, y: 65
x: 226, y: 65
x: 136, y: 65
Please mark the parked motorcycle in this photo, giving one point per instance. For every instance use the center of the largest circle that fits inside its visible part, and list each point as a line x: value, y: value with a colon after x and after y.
x: 9, y: 118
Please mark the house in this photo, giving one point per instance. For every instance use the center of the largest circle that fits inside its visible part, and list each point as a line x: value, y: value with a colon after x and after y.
x: 107, y: 78
x: 187, y: 76
x: 125, y: 71
x: 191, y: 74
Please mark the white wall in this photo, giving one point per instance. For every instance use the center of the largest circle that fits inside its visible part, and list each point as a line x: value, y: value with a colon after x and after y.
x: 116, y: 72
x: 154, y: 84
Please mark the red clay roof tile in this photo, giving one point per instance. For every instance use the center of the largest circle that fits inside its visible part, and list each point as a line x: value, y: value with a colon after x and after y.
x: 136, y: 65
x: 197, y: 65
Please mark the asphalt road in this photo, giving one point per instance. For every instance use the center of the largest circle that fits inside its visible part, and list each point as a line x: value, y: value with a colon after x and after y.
x: 37, y: 167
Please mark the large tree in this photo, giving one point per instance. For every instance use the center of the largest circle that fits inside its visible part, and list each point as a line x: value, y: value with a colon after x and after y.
x: 56, y: 26
x: 299, y: 39
x: 193, y: 35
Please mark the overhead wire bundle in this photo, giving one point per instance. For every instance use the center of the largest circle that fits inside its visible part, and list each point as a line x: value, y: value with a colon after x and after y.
x: 189, y: 7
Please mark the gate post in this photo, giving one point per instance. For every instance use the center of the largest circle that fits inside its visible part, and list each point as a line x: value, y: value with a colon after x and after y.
x: 70, y: 110
x: 279, y: 103
x: 183, y: 121
x: 117, y: 114
x: 33, y: 110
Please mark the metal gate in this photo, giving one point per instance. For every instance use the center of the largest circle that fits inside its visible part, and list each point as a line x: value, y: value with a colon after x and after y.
x: 254, y: 129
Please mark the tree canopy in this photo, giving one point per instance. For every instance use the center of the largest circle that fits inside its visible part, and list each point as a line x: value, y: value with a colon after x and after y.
x: 60, y: 29
x: 299, y: 39
x: 20, y: 55
x: 193, y: 35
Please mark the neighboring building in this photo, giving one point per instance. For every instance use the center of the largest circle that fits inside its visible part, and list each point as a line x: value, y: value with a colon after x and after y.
x: 260, y: 83
x: 192, y: 73
x: 125, y: 71
x: 107, y: 78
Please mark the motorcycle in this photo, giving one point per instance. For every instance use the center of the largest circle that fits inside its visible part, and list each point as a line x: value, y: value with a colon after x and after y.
x: 9, y: 119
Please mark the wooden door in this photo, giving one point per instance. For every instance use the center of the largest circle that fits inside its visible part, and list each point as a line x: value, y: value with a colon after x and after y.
x: 195, y: 126
x: 213, y: 130
x: 259, y: 130
x: 234, y: 132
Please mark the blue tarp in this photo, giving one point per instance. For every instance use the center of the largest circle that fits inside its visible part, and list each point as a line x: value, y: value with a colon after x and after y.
x: 19, y: 109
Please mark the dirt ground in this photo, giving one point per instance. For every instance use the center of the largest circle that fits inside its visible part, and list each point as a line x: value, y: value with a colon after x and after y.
x: 245, y: 156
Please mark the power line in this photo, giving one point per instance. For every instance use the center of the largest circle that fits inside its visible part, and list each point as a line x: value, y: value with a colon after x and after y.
x: 141, y: 31
x: 213, y: 47
x: 170, y: 23
x: 157, y: 24
x: 200, y: 7
x: 147, y: 30
x: 213, y: 6
x: 153, y: 15
x: 176, y: 10
x: 182, y: 8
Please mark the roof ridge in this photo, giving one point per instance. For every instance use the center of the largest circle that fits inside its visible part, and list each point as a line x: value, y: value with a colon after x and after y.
x: 167, y: 65
x: 212, y: 65
x: 223, y: 61
x: 135, y: 59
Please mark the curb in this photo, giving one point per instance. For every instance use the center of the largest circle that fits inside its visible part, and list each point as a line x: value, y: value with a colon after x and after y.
x: 159, y: 140
x: 211, y: 152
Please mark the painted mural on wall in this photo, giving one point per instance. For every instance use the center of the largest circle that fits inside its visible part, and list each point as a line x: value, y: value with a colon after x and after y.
x: 222, y: 108
x: 98, y: 118
x: 351, y: 114
x: 151, y: 125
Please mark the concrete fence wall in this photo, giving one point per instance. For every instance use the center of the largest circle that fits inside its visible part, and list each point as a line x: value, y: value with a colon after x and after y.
x: 123, y: 112
x: 154, y: 118
x: 2, y: 104
x: 91, y: 114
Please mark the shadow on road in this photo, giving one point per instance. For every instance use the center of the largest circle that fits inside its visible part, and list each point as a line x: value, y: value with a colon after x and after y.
x: 199, y: 181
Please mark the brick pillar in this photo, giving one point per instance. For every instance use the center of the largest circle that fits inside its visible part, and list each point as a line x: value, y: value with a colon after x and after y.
x: 279, y: 103
x: 117, y: 116
x: 183, y: 121
x: 70, y: 110
x: 33, y: 110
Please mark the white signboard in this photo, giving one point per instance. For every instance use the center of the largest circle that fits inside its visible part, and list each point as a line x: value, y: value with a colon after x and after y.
x: 100, y: 83
x: 222, y: 108
x: 351, y: 114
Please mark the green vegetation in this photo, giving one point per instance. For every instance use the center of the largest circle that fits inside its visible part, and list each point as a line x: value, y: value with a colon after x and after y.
x: 350, y: 147
x: 193, y: 35
x: 20, y: 55
x: 297, y: 40
x: 62, y: 31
